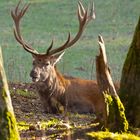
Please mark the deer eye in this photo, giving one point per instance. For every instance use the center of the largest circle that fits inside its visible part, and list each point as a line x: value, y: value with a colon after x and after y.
x: 47, y: 64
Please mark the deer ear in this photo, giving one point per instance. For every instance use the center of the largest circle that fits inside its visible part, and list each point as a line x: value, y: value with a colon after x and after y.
x: 57, y: 57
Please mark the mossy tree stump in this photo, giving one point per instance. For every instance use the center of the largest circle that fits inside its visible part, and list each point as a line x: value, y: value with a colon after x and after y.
x: 130, y: 80
x: 114, y: 116
x: 8, y: 126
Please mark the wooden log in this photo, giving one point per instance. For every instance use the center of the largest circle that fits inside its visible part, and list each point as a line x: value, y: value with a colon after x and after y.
x: 114, y: 116
x: 8, y: 125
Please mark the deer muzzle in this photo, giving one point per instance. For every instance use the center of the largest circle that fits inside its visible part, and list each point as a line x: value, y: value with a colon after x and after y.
x: 34, y: 76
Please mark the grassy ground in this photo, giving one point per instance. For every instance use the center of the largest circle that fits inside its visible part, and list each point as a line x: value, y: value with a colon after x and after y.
x: 34, y: 124
x: 46, y: 19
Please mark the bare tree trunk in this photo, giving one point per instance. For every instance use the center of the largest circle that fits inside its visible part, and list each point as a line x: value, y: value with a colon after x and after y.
x: 114, y: 116
x: 130, y: 80
x: 8, y: 126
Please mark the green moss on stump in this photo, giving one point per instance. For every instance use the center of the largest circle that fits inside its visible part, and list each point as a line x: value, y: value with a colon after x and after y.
x: 115, y: 112
x: 8, y: 126
x: 110, y: 107
x: 120, y: 113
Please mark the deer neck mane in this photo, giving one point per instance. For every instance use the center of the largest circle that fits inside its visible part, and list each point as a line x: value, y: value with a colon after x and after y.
x: 54, y: 84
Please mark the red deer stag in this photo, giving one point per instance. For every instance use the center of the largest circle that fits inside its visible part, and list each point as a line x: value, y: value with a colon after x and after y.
x: 56, y: 90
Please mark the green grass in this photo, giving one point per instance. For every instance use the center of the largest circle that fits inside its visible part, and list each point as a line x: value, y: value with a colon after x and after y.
x: 116, y: 21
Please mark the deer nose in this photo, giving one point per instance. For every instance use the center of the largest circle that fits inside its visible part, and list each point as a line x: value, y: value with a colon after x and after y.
x: 33, y: 73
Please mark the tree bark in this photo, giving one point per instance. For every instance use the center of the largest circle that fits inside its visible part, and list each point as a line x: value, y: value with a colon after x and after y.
x: 114, y: 116
x: 130, y: 80
x: 8, y: 126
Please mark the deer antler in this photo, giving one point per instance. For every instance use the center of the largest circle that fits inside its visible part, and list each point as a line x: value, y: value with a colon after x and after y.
x: 84, y: 16
x: 17, y: 15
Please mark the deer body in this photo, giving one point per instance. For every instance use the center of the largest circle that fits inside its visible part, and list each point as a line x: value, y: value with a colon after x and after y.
x: 56, y: 90
x: 77, y: 95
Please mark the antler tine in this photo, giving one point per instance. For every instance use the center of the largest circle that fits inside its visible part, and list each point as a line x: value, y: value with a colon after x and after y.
x: 16, y: 9
x: 80, y: 13
x: 83, y: 18
x: 92, y: 12
x: 50, y: 47
x: 81, y: 8
x: 17, y: 14
x: 59, y: 49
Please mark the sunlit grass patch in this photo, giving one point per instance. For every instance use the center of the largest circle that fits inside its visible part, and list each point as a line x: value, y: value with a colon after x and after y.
x: 23, y: 126
x: 23, y: 93
x: 55, y: 127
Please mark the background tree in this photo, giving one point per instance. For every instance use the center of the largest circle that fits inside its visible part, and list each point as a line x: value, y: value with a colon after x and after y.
x: 130, y: 80
x: 8, y: 126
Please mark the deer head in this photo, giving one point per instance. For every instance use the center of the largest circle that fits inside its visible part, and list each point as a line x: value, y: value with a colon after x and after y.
x: 44, y: 67
x: 44, y: 63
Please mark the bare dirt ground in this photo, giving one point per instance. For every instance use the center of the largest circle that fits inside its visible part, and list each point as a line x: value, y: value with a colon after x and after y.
x: 34, y: 124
